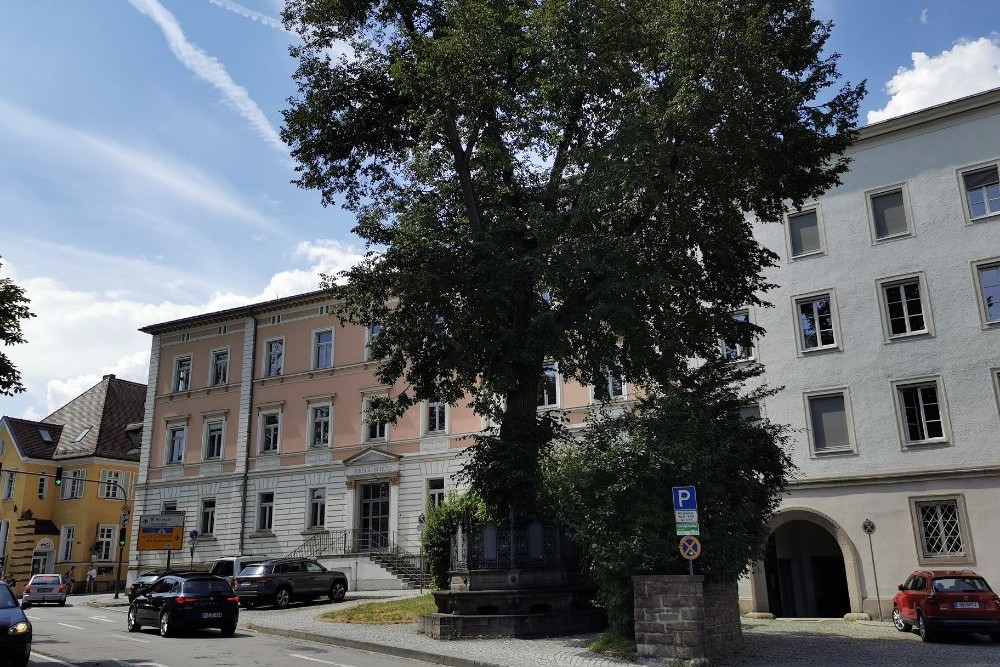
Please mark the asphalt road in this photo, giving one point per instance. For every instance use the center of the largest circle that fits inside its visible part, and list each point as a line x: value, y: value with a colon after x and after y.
x: 82, y: 636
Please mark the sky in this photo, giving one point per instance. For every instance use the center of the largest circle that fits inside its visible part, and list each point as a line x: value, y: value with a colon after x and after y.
x: 142, y: 178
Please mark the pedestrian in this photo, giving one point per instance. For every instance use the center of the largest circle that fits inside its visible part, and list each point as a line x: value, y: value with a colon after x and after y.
x: 10, y: 580
x: 91, y: 576
x: 70, y: 579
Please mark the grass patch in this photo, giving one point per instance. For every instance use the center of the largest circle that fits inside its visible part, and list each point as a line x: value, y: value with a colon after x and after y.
x: 384, y: 613
x: 614, y: 646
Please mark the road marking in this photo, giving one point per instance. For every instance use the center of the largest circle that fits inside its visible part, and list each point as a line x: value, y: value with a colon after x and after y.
x: 34, y: 618
x: 130, y: 663
x: 35, y: 655
x: 131, y: 639
x: 325, y: 662
x: 75, y: 627
x: 102, y: 618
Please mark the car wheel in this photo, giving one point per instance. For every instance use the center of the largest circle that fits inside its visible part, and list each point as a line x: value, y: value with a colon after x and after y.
x: 995, y: 637
x: 898, y: 621
x: 133, y: 620
x: 925, y: 633
x: 337, y: 591
x: 166, y: 629
x: 282, y: 597
x: 228, y: 630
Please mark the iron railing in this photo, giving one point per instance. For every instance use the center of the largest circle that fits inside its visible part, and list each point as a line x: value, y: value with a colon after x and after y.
x: 492, y: 547
x: 399, y: 555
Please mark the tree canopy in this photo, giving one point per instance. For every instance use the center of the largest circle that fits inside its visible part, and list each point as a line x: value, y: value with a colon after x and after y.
x: 13, y: 309
x: 556, y: 180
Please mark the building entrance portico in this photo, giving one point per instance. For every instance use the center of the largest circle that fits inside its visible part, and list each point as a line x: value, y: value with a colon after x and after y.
x: 372, y: 499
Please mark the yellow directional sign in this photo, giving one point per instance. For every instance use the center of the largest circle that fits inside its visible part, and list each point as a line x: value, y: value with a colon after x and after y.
x: 690, y: 547
x: 161, y: 532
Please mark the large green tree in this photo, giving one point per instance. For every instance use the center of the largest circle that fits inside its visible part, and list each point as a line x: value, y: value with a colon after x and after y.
x: 13, y: 309
x: 556, y: 180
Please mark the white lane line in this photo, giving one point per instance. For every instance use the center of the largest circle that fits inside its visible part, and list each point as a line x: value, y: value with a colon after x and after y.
x: 131, y: 639
x: 35, y: 655
x: 75, y: 627
x: 33, y: 618
x: 325, y: 662
x: 102, y: 618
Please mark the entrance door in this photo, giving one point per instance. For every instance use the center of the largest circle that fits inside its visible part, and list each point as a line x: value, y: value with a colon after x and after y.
x: 805, y: 571
x: 374, y: 516
x: 40, y: 562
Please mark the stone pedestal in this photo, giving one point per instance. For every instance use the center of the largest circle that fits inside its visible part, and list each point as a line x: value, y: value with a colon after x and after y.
x: 681, y: 620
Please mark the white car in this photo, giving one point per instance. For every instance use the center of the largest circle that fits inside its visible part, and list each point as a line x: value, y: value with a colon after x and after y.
x: 45, y: 588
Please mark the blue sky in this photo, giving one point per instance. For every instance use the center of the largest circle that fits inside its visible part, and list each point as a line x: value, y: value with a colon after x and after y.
x: 141, y: 178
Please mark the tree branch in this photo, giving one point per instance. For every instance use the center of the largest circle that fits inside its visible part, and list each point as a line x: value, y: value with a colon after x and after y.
x: 462, y: 167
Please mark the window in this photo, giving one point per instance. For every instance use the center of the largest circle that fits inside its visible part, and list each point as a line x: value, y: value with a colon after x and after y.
x: 214, y: 437
x: 182, y: 374
x: 988, y: 277
x: 43, y: 484
x: 889, y: 213
x: 548, y: 387
x: 905, y: 311
x: 176, y: 436
x: 317, y: 508
x: 169, y: 506
x: 371, y: 333
x: 735, y: 350
x: 67, y: 534
x: 270, y: 432
x: 750, y: 412
x: 8, y: 487
x: 207, y: 523
x: 274, y: 355
x: 105, y: 540
x: 323, y: 349
x: 220, y: 367
x: 319, y: 425
x: 435, y: 492
x: 921, y: 411
x: 265, y: 511
x: 816, y: 322
x: 111, y: 486
x: 83, y: 434
x: 940, y: 525
x: 374, y: 431
x: 829, y: 422
x: 982, y: 191
x: 73, y: 485
x: 437, y: 417
x: 805, y: 236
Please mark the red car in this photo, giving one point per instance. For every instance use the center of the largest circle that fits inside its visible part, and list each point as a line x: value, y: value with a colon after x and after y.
x: 946, y: 601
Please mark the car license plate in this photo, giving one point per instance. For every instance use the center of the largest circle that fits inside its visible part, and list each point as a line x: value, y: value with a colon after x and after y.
x: 212, y: 614
x: 966, y: 605
x: 44, y: 590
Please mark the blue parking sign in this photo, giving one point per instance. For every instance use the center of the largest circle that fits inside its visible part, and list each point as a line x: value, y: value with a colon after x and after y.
x: 685, y: 498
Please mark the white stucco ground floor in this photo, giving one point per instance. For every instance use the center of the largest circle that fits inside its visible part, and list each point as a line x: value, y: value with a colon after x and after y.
x: 821, y: 561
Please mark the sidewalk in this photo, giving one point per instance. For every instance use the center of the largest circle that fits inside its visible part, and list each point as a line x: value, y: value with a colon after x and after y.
x: 300, y: 622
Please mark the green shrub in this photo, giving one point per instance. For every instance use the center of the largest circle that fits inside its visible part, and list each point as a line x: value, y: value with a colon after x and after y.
x: 458, y: 509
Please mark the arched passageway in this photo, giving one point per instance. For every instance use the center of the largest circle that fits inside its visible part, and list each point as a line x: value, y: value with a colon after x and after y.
x: 805, y: 572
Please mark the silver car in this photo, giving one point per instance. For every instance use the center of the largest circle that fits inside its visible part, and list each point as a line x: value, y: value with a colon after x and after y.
x: 45, y: 588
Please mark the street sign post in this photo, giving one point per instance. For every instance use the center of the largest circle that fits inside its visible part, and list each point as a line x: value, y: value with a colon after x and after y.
x: 869, y: 527
x: 161, y: 532
x: 686, y: 510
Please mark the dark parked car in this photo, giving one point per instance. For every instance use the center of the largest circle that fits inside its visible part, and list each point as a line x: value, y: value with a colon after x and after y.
x: 946, y: 601
x: 282, y: 580
x: 185, y: 601
x: 15, y: 630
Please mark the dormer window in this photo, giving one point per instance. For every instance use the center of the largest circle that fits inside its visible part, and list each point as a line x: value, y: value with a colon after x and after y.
x: 45, y: 435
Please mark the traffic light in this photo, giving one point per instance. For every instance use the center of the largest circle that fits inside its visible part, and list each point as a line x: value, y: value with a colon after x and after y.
x: 58, y: 476
x: 121, y: 541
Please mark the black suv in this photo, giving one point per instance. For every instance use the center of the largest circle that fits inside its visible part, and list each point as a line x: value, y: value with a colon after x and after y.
x: 281, y: 580
x: 187, y: 600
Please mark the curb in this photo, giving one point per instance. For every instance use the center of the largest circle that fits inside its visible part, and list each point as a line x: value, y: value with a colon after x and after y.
x: 372, y: 647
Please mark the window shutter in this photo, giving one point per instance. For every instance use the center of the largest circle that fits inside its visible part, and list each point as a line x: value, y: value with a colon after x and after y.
x: 102, y: 489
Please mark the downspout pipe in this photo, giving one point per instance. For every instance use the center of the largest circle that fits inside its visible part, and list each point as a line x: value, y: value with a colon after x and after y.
x: 245, y: 482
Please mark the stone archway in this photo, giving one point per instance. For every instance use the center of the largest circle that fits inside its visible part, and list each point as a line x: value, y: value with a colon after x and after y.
x: 827, y: 556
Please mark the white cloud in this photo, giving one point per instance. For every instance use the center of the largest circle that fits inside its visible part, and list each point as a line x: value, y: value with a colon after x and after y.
x: 212, y: 71
x: 246, y: 12
x: 923, y: 16
x: 967, y: 68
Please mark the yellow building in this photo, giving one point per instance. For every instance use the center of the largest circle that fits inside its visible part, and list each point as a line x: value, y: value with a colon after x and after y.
x: 93, y: 441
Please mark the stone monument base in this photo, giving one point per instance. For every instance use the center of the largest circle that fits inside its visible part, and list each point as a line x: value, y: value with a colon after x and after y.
x: 454, y: 626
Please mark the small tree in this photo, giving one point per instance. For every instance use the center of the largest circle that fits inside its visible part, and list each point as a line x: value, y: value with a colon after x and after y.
x: 13, y: 309
x: 612, y: 489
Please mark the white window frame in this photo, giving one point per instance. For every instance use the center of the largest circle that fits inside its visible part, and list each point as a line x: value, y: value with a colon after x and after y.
x: 968, y: 555
x: 213, y: 355
x: 265, y: 371
x: 107, y: 535
x: 882, y: 284
x: 313, y: 506
x: 74, y: 486
x: 206, y: 433
x: 870, y: 195
x: 265, y: 509
x: 313, y: 420
x: 365, y: 433
x: 845, y: 392
x: 43, y: 485
x: 67, y: 539
x: 977, y: 265
x: 820, y: 230
x: 942, y: 403
x: 743, y: 354
x: 168, y: 507
x: 316, y: 348
x: 554, y: 405
x: 444, y: 412
x: 175, y: 386
x: 262, y: 429
x: 961, y: 172
x: 169, y: 446
x: 995, y: 379
x: 831, y: 296
x: 107, y: 489
x: 369, y: 336
x: 9, y: 484
x: 434, y: 497
x: 207, y: 516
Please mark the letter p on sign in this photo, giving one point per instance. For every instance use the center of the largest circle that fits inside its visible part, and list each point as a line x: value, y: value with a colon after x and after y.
x: 685, y: 498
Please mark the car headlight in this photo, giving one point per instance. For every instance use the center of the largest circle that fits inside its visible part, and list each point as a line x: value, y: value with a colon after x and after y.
x: 19, y: 628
